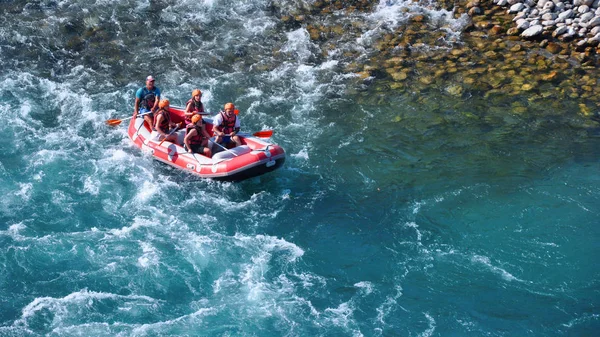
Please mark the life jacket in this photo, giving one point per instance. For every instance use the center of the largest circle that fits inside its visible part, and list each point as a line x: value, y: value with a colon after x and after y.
x: 148, y: 98
x: 228, y: 123
x: 197, y: 139
x: 196, y: 107
x: 166, y: 121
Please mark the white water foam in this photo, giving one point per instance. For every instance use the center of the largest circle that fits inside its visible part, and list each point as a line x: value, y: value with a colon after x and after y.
x: 431, y: 329
x: 484, y: 260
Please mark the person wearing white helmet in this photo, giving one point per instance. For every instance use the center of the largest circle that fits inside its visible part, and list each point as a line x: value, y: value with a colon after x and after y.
x: 146, y: 101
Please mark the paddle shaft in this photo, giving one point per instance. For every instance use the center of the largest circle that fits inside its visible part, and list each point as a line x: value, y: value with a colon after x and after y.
x: 170, y: 133
x: 224, y: 148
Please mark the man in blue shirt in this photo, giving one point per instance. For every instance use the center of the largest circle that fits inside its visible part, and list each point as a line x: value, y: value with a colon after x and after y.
x: 146, y: 100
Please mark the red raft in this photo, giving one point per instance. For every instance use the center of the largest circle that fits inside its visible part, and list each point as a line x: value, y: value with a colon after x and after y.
x: 254, y: 157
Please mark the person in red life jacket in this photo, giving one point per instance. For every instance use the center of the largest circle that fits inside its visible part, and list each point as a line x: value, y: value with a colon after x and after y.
x: 163, y: 125
x: 193, y: 106
x: 226, y: 126
x: 146, y: 101
x: 196, y: 137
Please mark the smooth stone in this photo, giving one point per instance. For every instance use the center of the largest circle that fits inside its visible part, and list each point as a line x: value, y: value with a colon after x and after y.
x: 516, y: 8
x: 553, y: 48
x: 595, y: 30
x: 586, y: 17
x: 523, y: 25
x: 496, y: 30
x: 502, y: 3
x: 594, y: 22
x: 559, y: 31
x: 576, y: 2
x: 512, y: 2
x: 549, y: 16
x: 583, y: 9
x: 566, y: 14
x: 475, y: 11
x: 534, y: 23
x: 533, y: 31
x: 512, y: 31
x: 548, y: 23
x: 559, y: 6
x: 474, y: 3
x: 541, y: 3
x: 520, y: 15
x: 549, y: 5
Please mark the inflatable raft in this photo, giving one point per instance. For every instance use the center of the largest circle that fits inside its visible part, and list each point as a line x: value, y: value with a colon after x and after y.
x: 254, y: 157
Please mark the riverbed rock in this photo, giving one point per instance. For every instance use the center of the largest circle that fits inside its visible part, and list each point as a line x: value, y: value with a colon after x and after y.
x: 532, y: 31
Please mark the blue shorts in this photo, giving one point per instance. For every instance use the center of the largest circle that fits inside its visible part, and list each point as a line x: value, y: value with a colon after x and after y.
x: 144, y: 110
x: 226, y: 140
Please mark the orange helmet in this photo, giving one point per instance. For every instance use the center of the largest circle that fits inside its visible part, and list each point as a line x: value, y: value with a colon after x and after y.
x: 196, y: 118
x: 163, y: 103
x: 229, y: 106
x: 196, y: 92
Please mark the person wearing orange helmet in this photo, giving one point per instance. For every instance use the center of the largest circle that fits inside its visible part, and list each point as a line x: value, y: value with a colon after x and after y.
x: 196, y: 137
x: 226, y: 126
x: 193, y: 106
x: 146, y: 101
x: 163, y: 124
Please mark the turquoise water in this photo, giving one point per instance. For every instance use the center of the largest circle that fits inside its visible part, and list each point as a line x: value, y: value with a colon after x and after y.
x: 395, y: 214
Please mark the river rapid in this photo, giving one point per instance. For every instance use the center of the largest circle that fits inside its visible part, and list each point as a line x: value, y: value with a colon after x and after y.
x: 397, y: 213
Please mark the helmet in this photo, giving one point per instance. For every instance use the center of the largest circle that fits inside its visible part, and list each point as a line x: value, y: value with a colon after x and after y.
x: 196, y: 92
x: 196, y: 118
x: 229, y: 106
x: 163, y: 103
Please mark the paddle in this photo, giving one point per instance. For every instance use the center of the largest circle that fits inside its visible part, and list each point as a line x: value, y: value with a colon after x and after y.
x: 170, y: 133
x: 115, y: 122
x: 224, y: 148
x: 263, y: 134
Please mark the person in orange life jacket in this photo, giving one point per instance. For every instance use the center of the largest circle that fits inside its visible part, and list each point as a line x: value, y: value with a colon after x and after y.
x: 196, y: 137
x: 193, y: 106
x: 163, y: 125
x: 226, y: 126
x: 146, y: 100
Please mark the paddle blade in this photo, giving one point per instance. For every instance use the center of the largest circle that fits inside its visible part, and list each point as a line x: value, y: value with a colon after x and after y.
x: 263, y: 134
x: 236, y: 111
x: 113, y: 122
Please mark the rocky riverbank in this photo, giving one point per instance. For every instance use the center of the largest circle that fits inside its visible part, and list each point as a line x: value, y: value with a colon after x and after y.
x: 520, y: 54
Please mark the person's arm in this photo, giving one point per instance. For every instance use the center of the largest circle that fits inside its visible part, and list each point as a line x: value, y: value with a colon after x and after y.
x: 188, y: 110
x: 136, y: 107
x: 204, y: 131
x: 186, y: 140
x: 157, y: 125
x: 236, y: 127
x: 156, y: 100
x: 217, y: 125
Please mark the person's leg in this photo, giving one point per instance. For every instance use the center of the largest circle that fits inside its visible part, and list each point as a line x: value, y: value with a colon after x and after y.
x: 237, y: 140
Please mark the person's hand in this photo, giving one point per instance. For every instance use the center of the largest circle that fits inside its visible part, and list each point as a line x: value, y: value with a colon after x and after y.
x: 179, y: 125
